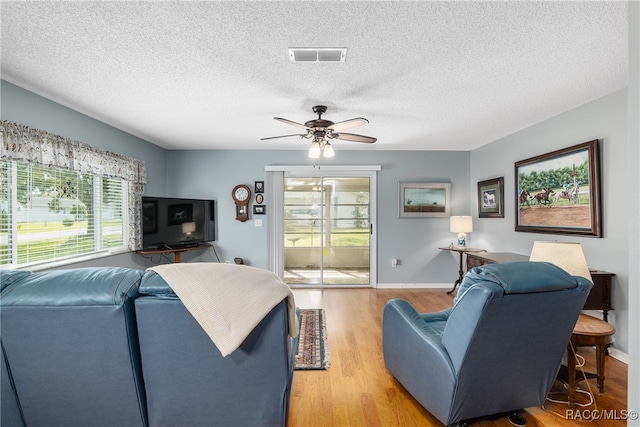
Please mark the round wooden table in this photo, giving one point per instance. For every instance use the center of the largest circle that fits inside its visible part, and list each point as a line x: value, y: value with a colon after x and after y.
x: 461, y: 250
x: 588, y: 332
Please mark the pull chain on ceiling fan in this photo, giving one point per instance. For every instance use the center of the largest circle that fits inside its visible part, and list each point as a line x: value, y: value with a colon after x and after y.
x: 321, y: 131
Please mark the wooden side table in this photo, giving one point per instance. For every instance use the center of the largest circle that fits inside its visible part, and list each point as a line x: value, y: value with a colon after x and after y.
x: 461, y: 251
x: 588, y: 332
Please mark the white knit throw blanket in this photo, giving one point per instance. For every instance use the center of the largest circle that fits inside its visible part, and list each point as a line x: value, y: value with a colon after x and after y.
x: 228, y: 300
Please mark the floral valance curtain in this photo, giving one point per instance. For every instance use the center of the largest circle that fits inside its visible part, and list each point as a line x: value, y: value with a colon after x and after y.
x: 22, y: 143
x: 25, y: 144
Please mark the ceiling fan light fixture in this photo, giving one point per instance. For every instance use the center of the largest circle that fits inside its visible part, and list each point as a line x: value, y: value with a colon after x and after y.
x: 322, y: 131
x: 328, y: 152
x: 314, y: 150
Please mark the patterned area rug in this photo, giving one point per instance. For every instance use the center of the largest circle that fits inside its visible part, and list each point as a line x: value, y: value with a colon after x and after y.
x: 313, y: 349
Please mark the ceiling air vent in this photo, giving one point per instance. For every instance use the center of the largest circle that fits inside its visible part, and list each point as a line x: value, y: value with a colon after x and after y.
x: 317, y: 54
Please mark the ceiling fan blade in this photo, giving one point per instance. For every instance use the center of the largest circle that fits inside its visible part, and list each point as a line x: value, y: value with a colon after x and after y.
x: 355, y: 138
x: 285, y: 136
x: 348, y: 124
x: 289, y: 122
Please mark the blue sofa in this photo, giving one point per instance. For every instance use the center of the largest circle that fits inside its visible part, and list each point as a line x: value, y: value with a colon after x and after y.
x: 115, y: 347
x: 497, y: 350
x: 189, y: 383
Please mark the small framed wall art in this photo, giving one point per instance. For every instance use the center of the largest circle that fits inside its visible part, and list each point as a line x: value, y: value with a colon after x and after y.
x: 491, y: 198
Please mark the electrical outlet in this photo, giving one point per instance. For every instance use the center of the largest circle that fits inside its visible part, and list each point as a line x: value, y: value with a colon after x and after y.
x: 394, y: 263
x: 257, y: 222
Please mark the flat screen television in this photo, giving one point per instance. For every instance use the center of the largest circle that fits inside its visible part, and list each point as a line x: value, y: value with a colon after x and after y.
x: 172, y: 223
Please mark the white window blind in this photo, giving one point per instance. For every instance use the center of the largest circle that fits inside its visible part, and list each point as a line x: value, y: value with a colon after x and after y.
x: 49, y: 214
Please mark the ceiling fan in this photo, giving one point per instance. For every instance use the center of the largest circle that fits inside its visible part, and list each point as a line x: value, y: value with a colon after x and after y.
x: 322, y: 130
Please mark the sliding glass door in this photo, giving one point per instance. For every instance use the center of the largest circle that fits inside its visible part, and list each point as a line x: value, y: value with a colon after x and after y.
x: 328, y: 229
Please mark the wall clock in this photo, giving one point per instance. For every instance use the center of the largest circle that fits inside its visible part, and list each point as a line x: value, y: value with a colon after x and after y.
x: 241, y: 195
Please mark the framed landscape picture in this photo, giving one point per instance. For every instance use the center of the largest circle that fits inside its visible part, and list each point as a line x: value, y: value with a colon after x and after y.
x: 559, y: 192
x: 491, y: 198
x: 419, y: 200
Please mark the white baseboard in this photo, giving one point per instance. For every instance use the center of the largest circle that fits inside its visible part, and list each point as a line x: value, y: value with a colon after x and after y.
x: 617, y: 354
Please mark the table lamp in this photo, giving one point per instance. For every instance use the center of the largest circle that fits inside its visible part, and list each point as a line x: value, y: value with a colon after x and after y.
x: 461, y: 225
x: 566, y: 255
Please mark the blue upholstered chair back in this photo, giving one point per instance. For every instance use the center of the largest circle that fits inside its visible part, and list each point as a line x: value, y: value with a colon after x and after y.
x: 509, y: 324
x: 71, y: 347
x: 189, y: 383
x: 497, y: 349
x: 10, y: 415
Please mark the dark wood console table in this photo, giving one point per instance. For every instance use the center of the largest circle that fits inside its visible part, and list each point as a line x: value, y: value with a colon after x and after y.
x: 599, y: 298
x: 176, y: 252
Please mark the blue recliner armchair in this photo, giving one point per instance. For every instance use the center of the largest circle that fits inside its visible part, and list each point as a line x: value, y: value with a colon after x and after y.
x: 497, y: 350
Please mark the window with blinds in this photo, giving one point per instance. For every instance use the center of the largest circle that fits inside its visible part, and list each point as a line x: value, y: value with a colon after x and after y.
x: 49, y: 214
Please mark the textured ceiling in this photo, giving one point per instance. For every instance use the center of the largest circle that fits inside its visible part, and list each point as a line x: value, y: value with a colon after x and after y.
x: 212, y: 75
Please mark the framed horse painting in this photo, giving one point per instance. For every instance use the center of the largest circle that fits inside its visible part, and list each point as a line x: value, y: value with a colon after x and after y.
x: 491, y: 198
x: 559, y: 192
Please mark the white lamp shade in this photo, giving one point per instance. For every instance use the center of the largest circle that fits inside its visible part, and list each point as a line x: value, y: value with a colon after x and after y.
x: 461, y: 224
x: 566, y: 255
x: 188, y: 227
x: 328, y: 152
x: 314, y: 150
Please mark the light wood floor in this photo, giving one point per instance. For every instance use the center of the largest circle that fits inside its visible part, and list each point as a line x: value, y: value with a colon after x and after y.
x: 357, y: 390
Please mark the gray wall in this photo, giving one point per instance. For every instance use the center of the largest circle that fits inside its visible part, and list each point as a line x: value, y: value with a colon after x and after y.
x: 27, y: 108
x: 604, y: 119
x: 213, y: 174
x: 24, y: 107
